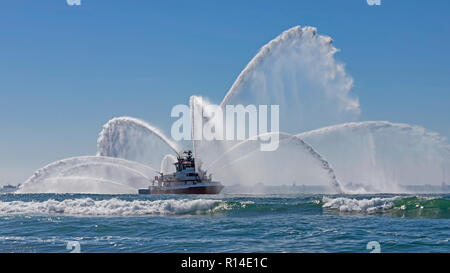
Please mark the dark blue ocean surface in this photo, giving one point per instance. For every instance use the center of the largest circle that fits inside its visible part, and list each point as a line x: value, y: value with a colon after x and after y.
x: 224, y: 223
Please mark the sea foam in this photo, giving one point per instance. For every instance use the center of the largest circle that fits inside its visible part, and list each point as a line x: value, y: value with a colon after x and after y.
x: 108, y: 207
x: 358, y: 205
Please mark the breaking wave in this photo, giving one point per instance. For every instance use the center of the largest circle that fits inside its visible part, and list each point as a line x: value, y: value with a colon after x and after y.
x: 108, y: 207
x: 392, y: 206
x: 361, y: 205
x: 398, y: 206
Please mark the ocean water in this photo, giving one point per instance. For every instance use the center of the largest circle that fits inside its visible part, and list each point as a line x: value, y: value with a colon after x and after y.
x: 224, y: 223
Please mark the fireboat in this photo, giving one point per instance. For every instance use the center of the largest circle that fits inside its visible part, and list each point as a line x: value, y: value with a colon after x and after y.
x: 185, y: 180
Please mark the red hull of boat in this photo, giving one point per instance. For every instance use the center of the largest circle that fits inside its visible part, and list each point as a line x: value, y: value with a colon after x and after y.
x: 190, y: 190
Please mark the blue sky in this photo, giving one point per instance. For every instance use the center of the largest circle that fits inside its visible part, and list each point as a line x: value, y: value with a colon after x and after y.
x: 66, y: 70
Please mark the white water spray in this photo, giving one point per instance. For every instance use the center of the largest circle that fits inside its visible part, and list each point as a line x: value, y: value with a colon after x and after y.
x: 294, y: 161
x: 89, y: 174
x: 167, y: 164
x: 380, y: 156
x: 297, y: 71
x: 135, y: 140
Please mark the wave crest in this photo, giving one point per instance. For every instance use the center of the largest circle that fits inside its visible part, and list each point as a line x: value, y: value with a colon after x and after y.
x: 109, y: 207
x: 398, y: 206
x: 358, y: 205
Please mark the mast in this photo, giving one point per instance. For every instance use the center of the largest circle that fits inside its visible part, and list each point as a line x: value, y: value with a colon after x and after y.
x: 193, y: 126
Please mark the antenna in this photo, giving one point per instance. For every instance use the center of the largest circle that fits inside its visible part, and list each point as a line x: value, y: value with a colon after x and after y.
x: 192, y: 109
